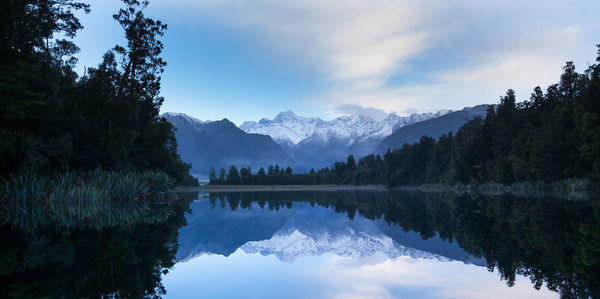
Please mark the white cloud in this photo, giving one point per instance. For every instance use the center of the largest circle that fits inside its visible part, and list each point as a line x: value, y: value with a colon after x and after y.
x: 469, y: 52
x: 521, y: 63
x: 372, y: 112
x: 359, y: 42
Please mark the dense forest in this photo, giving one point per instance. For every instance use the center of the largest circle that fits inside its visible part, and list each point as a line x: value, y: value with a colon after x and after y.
x: 52, y: 120
x: 554, y: 135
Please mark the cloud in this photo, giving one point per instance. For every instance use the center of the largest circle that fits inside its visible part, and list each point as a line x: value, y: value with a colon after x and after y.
x: 522, y: 62
x: 376, y: 114
x: 410, y: 111
x: 446, y: 55
x: 358, y: 42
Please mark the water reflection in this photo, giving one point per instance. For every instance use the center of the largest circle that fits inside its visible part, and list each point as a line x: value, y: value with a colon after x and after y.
x: 303, y: 244
x: 552, y: 242
x: 87, y: 250
x: 303, y: 230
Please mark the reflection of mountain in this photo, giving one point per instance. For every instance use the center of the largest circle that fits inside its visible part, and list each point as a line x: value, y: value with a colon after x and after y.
x: 302, y: 231
x: 435, y: 244
x: 222, y: 231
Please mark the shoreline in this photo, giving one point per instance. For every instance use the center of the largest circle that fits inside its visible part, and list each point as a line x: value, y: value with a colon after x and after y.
x: 565, y: 189
x: 261, y: 188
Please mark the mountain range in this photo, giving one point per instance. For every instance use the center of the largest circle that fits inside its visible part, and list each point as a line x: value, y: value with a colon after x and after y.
x: 315, y: 143
x: 305, y: 142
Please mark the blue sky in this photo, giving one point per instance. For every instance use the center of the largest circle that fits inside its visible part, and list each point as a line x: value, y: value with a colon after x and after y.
x: 244, y: 60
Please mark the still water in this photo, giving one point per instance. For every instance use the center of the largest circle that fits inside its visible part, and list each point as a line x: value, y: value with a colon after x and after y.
x: 306, y: 245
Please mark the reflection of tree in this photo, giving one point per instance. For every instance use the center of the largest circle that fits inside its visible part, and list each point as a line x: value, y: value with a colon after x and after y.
x: 123, y: 261
x: 553, y: 242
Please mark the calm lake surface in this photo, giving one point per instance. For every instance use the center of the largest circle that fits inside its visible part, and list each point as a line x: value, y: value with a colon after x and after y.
x: 362, y: 244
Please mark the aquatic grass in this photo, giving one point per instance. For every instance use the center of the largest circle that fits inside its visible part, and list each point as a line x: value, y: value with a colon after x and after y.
x: 24, y: 186
x: 570, y: 189
x: 95, y: 198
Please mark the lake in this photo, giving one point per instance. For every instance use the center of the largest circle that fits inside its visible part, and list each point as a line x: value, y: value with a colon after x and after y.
x: 305, y: 244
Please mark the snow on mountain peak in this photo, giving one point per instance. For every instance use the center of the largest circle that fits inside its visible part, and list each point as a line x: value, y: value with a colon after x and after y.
x: 288, y: 127
x: 190, y: 119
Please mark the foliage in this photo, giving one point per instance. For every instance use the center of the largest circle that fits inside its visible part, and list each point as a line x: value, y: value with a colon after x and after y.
x: 50, y: 119
x: 96, y: 198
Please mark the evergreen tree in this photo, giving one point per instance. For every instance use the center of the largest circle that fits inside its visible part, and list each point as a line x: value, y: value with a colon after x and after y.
x: 222, y: 176
x: 212, y: 176
x: 233, y: 177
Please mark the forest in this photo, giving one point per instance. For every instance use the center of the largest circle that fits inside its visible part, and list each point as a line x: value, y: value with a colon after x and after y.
x: 552, y: 136
x: 53, y: 120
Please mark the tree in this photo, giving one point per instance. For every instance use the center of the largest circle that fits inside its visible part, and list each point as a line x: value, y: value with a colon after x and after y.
x: 212, y: 176
x: 222, y: 176
x: 233, y: 177
x: 246, y: 175
x: 35, y: 66
x: 126, y: 87
x: 351, y: 162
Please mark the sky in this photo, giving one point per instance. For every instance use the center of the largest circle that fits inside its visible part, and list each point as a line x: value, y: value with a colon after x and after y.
x: 243, y: 275
x: 245, y: 60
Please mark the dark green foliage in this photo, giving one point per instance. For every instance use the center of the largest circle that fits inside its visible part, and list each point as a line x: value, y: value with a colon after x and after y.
x: 52, y: 120
x: 95, y: 185
x: 119, y: 253
x: 550, y: 137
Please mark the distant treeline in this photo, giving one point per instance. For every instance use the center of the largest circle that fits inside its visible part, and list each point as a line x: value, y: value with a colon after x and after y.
x: 552, y: 136
x: 52, y: 120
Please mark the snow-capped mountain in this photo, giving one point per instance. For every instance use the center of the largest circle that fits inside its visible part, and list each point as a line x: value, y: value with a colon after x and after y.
x: 289, y: 127
x: 315, y: 143
x: 184, y: 118
x: 285, y: 127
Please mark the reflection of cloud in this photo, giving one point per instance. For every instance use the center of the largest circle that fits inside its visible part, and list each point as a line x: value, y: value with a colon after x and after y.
x: 376, y: 114
x: 419, y: 278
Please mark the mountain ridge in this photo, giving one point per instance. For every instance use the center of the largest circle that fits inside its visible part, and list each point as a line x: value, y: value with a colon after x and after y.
x: 434, y: 128
x: 221, y: 143
x: 305, y: 142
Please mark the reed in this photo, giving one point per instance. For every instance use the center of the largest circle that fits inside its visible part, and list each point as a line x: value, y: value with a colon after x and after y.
x: 95, y: 198
x: 571, y: 189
